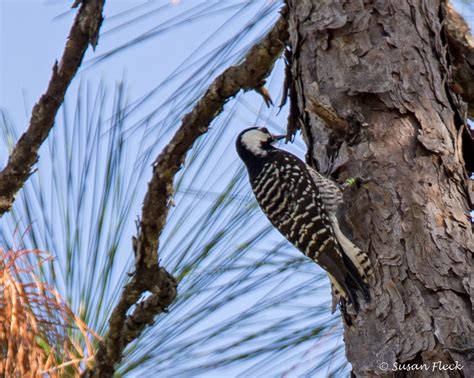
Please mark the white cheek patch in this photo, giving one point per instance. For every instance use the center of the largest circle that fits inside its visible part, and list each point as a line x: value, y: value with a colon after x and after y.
x: 252, y: 141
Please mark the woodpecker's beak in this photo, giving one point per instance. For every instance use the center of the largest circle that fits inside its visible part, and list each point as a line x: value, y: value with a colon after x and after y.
x: 277, y: 137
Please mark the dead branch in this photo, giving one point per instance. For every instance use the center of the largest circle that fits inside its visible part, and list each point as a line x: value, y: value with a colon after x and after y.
x: 84, y: 30
x: 149, y: 276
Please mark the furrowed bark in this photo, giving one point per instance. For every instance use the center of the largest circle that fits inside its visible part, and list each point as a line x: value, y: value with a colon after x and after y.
x: 84, y: 31
x: 149, y: 276
x: 384, y: 67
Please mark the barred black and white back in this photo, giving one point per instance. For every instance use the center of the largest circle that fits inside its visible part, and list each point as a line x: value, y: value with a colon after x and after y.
x: 302, y: 205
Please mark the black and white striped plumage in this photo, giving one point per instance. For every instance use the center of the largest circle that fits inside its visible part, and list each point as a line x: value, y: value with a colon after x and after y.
x: 302, y: 205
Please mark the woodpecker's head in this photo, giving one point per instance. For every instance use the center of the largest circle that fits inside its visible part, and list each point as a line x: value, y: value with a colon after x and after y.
x: 256, y: 141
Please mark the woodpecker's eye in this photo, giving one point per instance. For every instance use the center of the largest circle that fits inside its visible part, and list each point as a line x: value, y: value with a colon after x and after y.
x: 265, y: 130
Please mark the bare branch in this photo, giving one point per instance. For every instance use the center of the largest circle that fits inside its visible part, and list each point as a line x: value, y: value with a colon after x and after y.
x: 250, y: 74
x: 149, y: 276
x: 461, y: 46
x: 25, y: 154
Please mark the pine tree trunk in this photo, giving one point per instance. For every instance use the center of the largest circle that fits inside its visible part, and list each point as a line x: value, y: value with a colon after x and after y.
x: 383, y: 66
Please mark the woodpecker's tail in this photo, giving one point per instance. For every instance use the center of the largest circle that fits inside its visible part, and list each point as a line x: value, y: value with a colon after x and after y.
x: 346, y: 286
x: 338, y: 293
x: 358, y: 271
x: 359, y: 259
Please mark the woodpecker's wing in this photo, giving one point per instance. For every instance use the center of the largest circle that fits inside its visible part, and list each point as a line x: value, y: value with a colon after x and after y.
x: 289, y: 197
x: 331, y: 195
x: 330, y: 192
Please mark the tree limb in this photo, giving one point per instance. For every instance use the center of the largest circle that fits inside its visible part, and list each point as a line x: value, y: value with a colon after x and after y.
x: 84, y: 30
x: 149, y: 276
x: 461, y: 46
